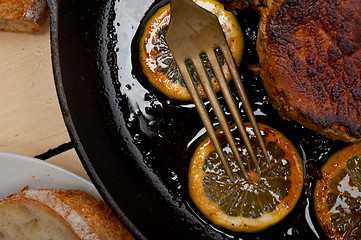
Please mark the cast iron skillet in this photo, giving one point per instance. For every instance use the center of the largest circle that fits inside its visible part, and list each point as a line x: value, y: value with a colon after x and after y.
x: 135, y: 143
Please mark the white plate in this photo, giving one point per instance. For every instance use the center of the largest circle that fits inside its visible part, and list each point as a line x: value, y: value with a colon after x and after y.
x: 17, y: 172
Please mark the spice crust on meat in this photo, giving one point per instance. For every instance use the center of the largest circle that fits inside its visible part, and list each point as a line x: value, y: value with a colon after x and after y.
x: 310, y: 57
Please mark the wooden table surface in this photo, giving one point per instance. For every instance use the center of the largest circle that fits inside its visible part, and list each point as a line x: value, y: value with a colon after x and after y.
x: 31, y: 122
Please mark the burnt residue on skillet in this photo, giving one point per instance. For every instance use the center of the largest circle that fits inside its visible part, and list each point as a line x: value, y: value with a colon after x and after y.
x: 136, y: 143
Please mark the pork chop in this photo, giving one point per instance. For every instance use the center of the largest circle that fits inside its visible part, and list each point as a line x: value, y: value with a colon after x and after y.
x: 310, y: 57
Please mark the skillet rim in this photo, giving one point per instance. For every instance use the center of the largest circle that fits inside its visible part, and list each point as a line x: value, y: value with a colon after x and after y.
x: 62, y: 99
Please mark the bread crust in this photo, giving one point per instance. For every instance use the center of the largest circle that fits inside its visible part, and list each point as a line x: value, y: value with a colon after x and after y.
x: 23, y: 15
x: 87, y: 217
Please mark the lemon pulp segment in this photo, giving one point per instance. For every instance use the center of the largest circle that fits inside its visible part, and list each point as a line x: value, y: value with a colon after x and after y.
x: 252, y: 204
x: 337, y: 196
x: 157, y: 61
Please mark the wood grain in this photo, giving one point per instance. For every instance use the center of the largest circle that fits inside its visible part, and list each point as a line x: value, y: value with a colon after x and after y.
x: 30, y: 117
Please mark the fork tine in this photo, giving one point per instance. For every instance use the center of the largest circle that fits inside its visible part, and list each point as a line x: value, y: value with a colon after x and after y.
x: 194, y: 31
x: 242, y: 93
x: 212, y: 97
x: 217, y: 69
x: 203, y: 114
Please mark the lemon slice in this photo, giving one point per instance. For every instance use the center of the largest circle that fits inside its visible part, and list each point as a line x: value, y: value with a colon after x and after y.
x: 337, y: 197
x: 157, y: 61
x: 253, y: 204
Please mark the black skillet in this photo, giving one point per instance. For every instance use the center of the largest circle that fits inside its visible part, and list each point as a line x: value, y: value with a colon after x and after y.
x: 134, y: 142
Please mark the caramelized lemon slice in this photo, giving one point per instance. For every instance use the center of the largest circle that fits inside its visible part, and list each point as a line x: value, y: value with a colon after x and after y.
x: 337, y: 197
x: 252, y: 204
x: 157, y: 61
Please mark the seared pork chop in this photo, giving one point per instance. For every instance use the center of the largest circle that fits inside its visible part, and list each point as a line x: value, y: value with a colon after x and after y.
x: 310, y: 58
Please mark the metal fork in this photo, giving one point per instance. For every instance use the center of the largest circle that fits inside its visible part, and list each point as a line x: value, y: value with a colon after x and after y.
x: 193, y: 31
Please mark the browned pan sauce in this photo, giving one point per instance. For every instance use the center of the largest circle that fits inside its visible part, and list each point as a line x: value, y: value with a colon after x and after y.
x: 169, y: 130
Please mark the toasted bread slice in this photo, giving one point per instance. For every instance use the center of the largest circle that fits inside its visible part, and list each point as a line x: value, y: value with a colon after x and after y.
x: 22, y: 15
x: 58, y: 214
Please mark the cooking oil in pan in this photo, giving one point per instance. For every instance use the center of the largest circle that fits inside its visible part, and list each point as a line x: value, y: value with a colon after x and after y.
x: 166, y: 131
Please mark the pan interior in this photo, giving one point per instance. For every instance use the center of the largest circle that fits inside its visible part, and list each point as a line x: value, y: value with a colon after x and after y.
x: 136, y: 143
